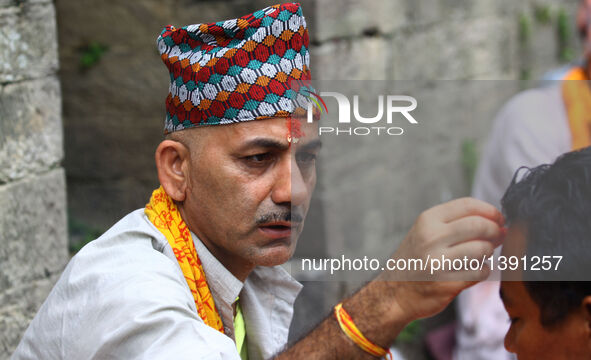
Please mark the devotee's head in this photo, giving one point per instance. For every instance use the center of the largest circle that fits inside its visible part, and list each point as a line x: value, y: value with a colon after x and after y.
x: 549, y: 212
x: 239, y: 155
x: 583, y: 24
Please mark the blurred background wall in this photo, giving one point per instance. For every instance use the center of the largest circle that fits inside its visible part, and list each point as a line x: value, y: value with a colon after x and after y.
x: 33, y: 233
x: 113, y: 86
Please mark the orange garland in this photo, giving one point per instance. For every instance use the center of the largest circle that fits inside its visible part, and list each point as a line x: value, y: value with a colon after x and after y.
x: 577, y: 100
x: 164, y: 214
x: 350, y: 329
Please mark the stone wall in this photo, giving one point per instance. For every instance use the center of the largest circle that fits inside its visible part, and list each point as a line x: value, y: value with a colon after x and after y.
x: 33, y: 235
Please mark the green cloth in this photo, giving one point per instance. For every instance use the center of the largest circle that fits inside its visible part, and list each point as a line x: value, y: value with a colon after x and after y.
x: 240, y: 332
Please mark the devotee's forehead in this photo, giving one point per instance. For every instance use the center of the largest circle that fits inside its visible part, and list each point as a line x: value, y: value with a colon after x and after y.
x: 507, y: 291
x: 514, y: 246
x: 515, y: 241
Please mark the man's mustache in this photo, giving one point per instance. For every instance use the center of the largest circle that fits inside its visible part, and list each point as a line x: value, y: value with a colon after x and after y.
x: 279, y: 216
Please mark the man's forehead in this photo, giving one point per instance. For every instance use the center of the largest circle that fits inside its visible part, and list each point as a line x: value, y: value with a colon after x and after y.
x: 278, y: 130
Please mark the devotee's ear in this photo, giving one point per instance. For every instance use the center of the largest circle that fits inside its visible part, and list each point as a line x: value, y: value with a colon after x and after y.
x: 586, y: 304
x: 172, y: 159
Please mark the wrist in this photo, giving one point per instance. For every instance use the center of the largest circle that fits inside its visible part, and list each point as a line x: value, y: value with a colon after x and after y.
x: 377, y: 313
x: 350, y: 329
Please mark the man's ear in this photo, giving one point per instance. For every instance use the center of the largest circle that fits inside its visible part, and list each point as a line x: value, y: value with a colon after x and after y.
x: 172, y: 162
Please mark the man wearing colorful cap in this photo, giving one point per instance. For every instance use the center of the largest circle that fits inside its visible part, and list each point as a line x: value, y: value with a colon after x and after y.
x: 195, y: 275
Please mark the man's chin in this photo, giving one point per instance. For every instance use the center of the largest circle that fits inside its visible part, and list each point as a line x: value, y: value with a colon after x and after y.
x: 275, y: 254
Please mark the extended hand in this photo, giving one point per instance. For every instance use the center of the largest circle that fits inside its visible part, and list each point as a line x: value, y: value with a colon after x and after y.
x: 381, y: 309
x: 459, y: 229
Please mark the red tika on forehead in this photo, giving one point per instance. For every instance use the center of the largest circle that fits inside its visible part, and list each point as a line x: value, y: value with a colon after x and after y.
x: 294, y: 129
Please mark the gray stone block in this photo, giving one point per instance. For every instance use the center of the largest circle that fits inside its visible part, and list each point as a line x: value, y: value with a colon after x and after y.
x: 337, y: 19
x: 28, y: 42
x: 30, y: 128
x: 441, y: 12
x: 19, y: 306
x: 476, y: 48
x: 32, y: 229
x: 87, y: 205
x: 192, y: 12
x: 364, y: 58
x: 7, y: 3
x: 13, y: 324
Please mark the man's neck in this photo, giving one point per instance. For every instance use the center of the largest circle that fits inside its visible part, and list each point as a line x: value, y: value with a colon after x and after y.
x: 232, y: 263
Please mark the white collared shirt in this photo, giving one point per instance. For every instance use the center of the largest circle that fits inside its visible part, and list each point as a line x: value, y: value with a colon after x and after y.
x: 124, y: 296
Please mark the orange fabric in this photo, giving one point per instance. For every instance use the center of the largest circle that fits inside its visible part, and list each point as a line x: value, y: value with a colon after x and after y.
x: 350, y: 329
x: 576, y: 94
x: 164, y: 214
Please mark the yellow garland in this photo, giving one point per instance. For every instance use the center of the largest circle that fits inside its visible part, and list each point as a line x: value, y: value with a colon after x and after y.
x: 164, y: 214
x: 577, y: 100
x: 350, y: 329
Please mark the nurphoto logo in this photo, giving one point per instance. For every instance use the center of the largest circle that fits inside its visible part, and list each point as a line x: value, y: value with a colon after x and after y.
x: 393, y: 106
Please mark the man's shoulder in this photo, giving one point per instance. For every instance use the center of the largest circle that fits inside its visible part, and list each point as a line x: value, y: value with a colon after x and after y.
x: 131, y: 252
x: 109, y: 289
x: 133, y: 245
x: 132, y: 229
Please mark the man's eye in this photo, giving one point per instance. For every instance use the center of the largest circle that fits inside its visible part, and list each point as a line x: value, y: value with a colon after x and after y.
x: 258, y: 158
x: 305, y: 158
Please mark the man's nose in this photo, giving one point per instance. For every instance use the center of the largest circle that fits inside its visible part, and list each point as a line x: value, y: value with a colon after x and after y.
x: 290, y: 186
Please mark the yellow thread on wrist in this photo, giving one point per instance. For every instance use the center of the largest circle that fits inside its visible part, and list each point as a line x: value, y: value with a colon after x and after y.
x: 350, y: 329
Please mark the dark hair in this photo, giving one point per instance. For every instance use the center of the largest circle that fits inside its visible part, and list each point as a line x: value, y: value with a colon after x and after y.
x: 553, y: 203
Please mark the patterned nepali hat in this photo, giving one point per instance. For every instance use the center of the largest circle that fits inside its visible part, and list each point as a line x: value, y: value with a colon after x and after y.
x: 249, y: 68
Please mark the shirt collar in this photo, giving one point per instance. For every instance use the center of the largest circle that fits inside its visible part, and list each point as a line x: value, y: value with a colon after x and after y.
x: 266, y: 297
x: 224, y: 286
